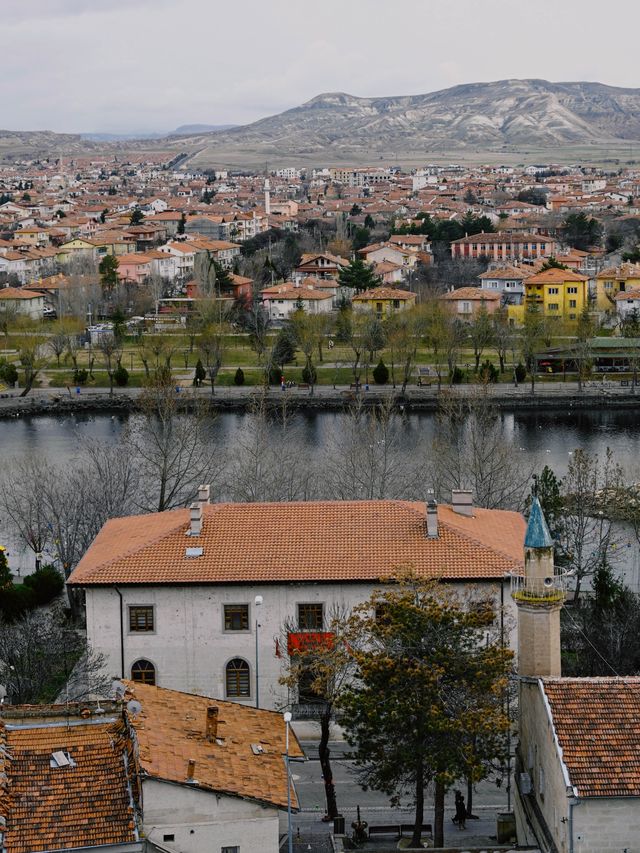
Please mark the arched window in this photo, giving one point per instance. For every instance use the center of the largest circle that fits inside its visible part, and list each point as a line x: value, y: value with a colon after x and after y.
x: 143, y: 671
x: 237, y: 678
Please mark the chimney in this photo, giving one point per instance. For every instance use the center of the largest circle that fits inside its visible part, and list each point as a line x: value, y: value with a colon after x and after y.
x: 462, y: 502
x: 432, y: 516
x: 204, y: 494
x: 191, y: 769
x: 211, y: 729
x: 196, y: 519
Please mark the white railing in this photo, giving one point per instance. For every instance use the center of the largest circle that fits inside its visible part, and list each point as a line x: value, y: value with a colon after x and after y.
x: 542, y: 590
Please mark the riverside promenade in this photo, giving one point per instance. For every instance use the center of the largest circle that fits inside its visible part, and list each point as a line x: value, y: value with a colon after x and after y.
x: 566, y: 395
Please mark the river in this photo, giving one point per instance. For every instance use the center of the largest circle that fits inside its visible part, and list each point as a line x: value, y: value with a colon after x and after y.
x: 543, y: 438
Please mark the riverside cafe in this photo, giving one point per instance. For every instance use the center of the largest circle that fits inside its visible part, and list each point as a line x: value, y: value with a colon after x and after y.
x: 599, y: 355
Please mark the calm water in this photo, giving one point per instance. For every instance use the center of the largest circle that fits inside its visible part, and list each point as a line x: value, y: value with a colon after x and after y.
x: 544, y: 438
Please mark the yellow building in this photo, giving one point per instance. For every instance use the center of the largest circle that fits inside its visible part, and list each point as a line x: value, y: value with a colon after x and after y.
x: 384, y: 300
x: 74, y: 248
x: 614, y: 280
x: 560, y: 294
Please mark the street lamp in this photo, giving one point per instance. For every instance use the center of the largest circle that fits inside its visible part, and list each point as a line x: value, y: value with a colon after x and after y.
x: 257, y: 603
x: 287, y: 722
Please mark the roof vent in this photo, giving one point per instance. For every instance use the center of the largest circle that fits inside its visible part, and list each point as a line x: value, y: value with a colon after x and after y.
x: 194, y: 552
x: 204, y: 494
x: 61, y: 759
x: 462, y: 502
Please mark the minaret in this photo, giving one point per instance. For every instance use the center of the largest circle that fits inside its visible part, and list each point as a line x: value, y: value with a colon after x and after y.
x: 267, y: 196
x: 539, y: 597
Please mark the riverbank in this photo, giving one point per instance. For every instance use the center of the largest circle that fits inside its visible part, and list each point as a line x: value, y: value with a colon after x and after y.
x: 545, y: 397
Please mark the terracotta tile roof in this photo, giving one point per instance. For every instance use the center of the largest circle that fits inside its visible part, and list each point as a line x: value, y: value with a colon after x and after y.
x: 509, y: 273
x: 556, y: 276
x: 171, y: 731
x: 596, y: 721
x: 50, y: 808
x: 472, y: 293
x: 311, y: 541
x: 385, y: 293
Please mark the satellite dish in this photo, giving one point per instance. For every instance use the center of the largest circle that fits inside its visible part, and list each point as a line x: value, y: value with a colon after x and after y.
x: 548, y: 582
x: 119, y: 689
x: 134, y: 707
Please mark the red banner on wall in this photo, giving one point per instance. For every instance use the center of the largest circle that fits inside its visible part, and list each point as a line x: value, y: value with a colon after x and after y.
x: 305, y: 641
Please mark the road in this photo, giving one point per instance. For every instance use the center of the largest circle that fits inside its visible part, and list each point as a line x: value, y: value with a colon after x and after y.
x: 308, y: 827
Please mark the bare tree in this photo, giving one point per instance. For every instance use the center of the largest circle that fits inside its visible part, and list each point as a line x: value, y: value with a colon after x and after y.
x: 9, y: 316
x: 172, y: 448
x: 58, y: 343
x: 367, y: 457
x: 470, y: 451
x: 31, y: 360
x: 211, y: 347
x: 23, y: 500
x: 43, y: 652
x: 111, y: 350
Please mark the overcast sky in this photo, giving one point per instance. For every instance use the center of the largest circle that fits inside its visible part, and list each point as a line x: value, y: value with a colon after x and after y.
x: 151, y: 65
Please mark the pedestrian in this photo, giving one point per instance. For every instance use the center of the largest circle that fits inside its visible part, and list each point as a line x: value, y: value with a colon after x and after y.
x: 282, y: 383
x: 461, y: 812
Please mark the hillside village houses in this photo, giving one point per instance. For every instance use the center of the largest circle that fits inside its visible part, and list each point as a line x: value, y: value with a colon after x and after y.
x: 197, y: 599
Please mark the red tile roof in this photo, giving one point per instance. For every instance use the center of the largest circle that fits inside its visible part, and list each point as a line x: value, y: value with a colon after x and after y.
x: 596, y: 722
x: 311, y: 541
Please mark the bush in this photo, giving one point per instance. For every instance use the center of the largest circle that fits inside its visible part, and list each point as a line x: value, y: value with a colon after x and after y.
x: 488, y: 372
x: 121, y: 376
x: 238, y: 378
x: 521, y: 373
x: 200, y: 374
x: 309, y: 375
x: 457, y: 377
x: 80, y: 376
x: 15, y: 601
x: 275, y: 375
x: 381, y: 373
x: 45, y: 584
x: 9, y: 373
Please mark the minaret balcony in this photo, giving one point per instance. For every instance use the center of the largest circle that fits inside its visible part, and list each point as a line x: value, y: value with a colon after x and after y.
x: 543, y: 591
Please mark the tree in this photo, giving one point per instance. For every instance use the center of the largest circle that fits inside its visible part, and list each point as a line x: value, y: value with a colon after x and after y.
x: 111, y: 351
x: 200, y: 374
x: 469, y: 451
x: 361, y: 238
x: 108, y: 269
x: 401, y: 330
x: 31, y: 359
x: 9, y: 314
x: 502, y: 334
x: 428, y: 686
x: 533, y: 196
x: 357, y: 276
x: 581, y: 231
x: 480, y: 333
x: 307, y: 333
x: 172, y: 448
x: 181, y: 224
x: 552, y: 264
x: 531, y: 339
x: 136, y: 216
x: 43, y: 652
x: 284, y: 348
x: 212, y: 347
x: 583, y: 346
x: 58, y: 343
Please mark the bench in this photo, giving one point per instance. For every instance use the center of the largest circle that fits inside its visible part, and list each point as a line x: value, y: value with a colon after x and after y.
x: 303, y: 386
x: 385, y: 829
x: 423, y: 382
x: 356, y: 385
x: 407, y: 828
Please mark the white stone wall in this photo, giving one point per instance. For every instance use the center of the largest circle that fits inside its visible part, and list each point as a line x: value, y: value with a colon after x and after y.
x: 607, y: 825
x: 189, y: 646
x: 204, y: 822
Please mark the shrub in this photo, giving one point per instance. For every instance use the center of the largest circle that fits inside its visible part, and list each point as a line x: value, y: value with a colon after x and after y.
x: 238, y: 379
x: 521, y: 373
x: 274, y: 375
x: 121, y: 376
x: 488, y: 372
x: 457, y: 377
x: 200, y: 374
x: 381, y: 373
x: 9, y: 373
x: 45, y: 584
x: 80, y: 376
x: 309, y: 375
x: 15, y: 601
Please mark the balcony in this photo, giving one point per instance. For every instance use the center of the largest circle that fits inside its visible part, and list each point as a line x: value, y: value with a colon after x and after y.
x: 551, y: 590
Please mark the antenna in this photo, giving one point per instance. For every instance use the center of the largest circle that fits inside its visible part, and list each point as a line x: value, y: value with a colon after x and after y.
x: 134, y: 707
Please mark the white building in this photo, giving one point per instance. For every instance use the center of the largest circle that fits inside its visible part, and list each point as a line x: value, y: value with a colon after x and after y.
x: 25, y: 302
x: 282, y: 300
x: 200, y: 605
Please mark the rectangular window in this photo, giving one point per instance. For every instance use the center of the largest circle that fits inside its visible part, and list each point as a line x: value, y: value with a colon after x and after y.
x: 553, y: 291
x: 234, y: 849
x: 169, y: 837
x: 553, y: 306
x: 310, y: 616
x: 236, y: 617
x: 572, y: 290
x: 573, y: 303
x: 141, y: 618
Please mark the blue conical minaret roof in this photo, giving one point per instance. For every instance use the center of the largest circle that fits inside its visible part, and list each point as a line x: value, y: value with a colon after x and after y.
x: 537, y: 535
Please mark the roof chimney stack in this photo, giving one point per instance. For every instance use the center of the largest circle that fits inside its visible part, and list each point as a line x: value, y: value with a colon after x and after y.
x: 211, y: 730
x: 432, y: 516
x: 462, y: 502
x: 196, y: 519
x: 204, y: 494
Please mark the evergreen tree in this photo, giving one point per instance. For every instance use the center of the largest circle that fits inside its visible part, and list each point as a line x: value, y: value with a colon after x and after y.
x: 358, y: 276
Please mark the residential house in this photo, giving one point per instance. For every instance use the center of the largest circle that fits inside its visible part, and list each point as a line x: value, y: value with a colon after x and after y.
x: 184, y: 598
x: 411, y: 242
x: 77, y: 247
x: 281, y: 300
x: 322, y: 265
x: 384, y: 300
x: 465, y: 302
x: 613, y: 280
x: 25, y: 302
x: 134, y: 268
x: 504, y: 247
x: 156, y: 770
x: 379, y: 252
x: 626, y: 302
x: 507, y: 281
x: 559, y: 294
